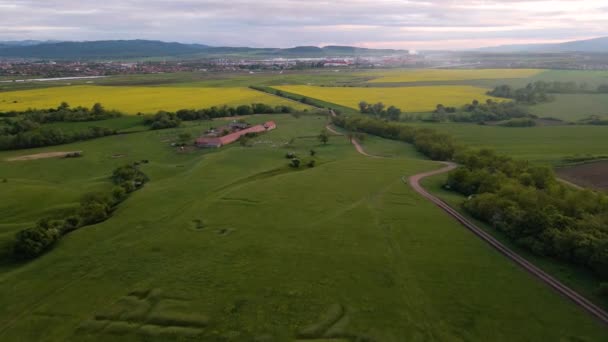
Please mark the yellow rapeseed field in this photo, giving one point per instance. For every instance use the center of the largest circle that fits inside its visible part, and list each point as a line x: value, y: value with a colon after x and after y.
x: 137, y: 99
x: 409, y: 99
x: 422, y: 75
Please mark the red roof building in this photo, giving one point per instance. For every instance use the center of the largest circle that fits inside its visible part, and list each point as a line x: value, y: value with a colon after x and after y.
x: 232, y: 137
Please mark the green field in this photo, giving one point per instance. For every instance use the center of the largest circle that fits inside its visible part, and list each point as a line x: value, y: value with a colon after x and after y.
x: 573, y: 107
x: 232, y: 245
x: 545, y: 144
x: 409, y: 99
x: 138, y: 99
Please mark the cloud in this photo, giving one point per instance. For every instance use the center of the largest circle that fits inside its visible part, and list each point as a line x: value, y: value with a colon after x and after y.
x: 283, y: 23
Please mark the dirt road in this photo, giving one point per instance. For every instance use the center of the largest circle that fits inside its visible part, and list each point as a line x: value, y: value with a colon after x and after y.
x: 582, y: 302
x: 564, y: 290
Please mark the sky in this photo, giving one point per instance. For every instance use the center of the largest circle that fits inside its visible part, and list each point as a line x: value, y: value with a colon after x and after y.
x: 402, y: 24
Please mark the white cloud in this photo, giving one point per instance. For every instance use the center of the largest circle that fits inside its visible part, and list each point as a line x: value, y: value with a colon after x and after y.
x: 386, y: 23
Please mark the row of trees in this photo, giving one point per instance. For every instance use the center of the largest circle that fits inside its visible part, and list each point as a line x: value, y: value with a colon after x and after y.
x: 164, y: 119
x: 481, y: 112
x: 64, y: 113
x: 529, y: 205
x: 524, y: 201
x: 435, y: 145
x: 533, y: 93
x: 379, y: 110
x: 94, y: 208
x: 47, y: 136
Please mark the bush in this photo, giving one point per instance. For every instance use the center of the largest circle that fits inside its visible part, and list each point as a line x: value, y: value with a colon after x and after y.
x: 32, y: 242
x: 295, y: 163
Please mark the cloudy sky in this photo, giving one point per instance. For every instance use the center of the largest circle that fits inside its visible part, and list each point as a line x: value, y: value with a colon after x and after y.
x: 413, y: 24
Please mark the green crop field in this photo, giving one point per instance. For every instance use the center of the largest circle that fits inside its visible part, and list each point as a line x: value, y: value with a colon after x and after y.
x: 426, y: 75
x: 573, y: 107
x: 233, y: 245
x: 137, y: 99
x: 546, y: 144
x: 409, y: 99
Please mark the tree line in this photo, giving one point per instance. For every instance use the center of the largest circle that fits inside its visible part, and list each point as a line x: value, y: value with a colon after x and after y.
x: 94, y: 208
x: 28, y: 129
x: 47, y: 136
x: 64, y: 113
x: 524, y: 201
x: 379, y: 110
x: 529, y: 205
x: 481, y: 112
x: 430, y: 142
x: 165, y: 119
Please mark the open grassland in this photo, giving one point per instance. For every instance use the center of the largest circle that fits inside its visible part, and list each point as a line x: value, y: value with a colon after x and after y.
x: 428, y: 75
x: 573, y: 107
x: 232, y: 245
x: 409, y: 99
x: 546, y: 144
x: 138, y: 99
x: 581, y: 280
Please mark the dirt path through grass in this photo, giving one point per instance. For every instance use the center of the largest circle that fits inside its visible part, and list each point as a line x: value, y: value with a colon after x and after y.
x: 414, y: 182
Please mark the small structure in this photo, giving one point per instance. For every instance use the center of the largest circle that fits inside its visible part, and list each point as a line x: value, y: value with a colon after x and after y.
x: 213, y: 141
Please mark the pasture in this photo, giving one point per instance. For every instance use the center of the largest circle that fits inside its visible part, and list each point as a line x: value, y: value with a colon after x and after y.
x: 429, y: 75
x: 544, y: 144
x: 573, y: 107
x: 408, y: 99
x: 132, y: 99
x: 233, y: 245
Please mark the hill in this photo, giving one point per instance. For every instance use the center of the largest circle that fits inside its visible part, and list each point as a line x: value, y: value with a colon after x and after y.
x: 129, y: 49
x: 596, y: 45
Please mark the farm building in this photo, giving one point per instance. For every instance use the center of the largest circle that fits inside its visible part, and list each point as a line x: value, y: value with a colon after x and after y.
x: 210, y: 141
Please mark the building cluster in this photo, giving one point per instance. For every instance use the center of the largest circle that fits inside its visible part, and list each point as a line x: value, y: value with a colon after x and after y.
x: 67, y: 69
x: 226, y: 135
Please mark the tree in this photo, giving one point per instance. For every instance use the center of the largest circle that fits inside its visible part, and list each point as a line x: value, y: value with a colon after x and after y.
x: 363, y: 107
x: 393, y: 113
x: 312, y: 153
x: 244, y: 110
x: 323, y: 137
x: 98, y: 109
x: 184, y: 137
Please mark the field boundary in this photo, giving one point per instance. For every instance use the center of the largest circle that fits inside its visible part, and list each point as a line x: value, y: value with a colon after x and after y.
x: 582, y: 302
x: 575, y: 297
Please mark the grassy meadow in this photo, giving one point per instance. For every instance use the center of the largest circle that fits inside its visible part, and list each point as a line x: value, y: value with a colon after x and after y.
x: 573, y: 107
x: 133, y: 99
x: 409, y: 99
x: 232, y: 245
x: 544, y: 144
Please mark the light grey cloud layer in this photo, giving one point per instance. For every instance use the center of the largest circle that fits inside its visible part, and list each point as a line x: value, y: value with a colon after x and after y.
x: 416, y: 24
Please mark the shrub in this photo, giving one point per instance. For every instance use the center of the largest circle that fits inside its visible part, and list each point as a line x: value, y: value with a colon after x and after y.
x: 295, y: 163
x: 32, y: 242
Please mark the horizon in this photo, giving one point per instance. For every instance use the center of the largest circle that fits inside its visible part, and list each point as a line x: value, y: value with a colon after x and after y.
x: 52, y: 41
x: 385, y: 24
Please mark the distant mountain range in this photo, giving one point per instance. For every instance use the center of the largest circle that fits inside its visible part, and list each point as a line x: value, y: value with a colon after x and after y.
x: 139, y: 49
x: 596, y: 45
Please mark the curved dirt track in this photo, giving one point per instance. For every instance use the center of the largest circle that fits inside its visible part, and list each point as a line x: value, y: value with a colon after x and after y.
x: 581, y: 301
x: 564, y: 290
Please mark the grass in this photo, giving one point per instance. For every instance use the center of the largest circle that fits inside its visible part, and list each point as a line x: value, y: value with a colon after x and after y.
x: 346, y: 234
x: 580, y: 279
x: 409, y: 99
x: 573, y: 107
x: 137, y: 99
x: 426, y: 75
x: 545, y: 144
